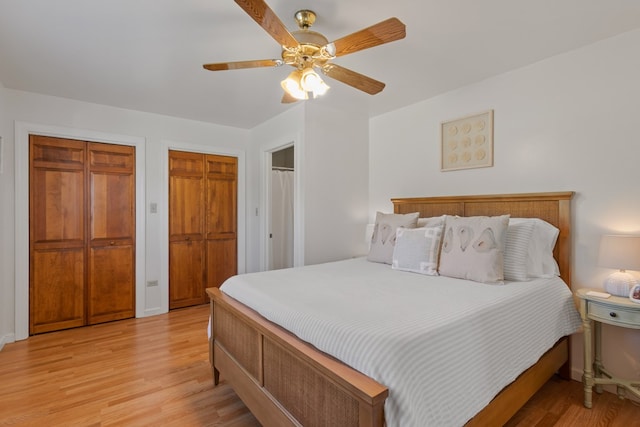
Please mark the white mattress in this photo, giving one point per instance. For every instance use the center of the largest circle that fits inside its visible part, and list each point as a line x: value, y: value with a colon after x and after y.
x: 444, y: 347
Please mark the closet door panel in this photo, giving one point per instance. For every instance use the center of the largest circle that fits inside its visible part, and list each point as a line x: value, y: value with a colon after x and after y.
x: 57, y: 205
x: 222, y: 176
x: 221, y: 261
x: 111, y: 285
x: 113, y: 158
x: 112, y: 206
x: 186, y: 195
x: 111, y: 279
x: 56, y: 296
x: 222, y: 179
x: 186, y: 229
x: 57, y: 153
x: 56, y: 233
x: 186, y: 211
x: 186, y: 275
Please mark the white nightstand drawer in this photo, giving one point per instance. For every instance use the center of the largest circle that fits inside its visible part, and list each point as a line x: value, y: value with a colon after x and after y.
x: 610, y: 314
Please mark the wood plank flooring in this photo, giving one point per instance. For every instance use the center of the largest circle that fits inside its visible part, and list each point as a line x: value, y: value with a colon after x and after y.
x: 155, y: 372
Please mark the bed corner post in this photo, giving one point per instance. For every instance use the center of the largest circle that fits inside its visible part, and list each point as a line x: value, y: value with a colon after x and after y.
x: 566, y: 243
x: 214, y: 370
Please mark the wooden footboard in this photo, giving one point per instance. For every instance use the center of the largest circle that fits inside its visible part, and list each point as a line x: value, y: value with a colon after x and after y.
x: 516, y: 394
x: 287, y: 382
x: 283, y: 380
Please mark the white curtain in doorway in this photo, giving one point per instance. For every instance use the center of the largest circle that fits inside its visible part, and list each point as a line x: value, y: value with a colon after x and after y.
x: 281, y: 219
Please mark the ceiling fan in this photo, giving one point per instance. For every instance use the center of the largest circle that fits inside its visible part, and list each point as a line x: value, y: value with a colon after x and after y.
x: 307, y: 50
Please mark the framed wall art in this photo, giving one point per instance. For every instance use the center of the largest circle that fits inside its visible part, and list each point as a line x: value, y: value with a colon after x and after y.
x: 467, y: 142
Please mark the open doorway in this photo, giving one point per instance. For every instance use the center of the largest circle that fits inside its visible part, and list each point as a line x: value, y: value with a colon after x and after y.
x: 281, y: 236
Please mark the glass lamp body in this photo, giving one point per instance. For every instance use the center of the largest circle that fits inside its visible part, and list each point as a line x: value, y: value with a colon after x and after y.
x: 620, y: 283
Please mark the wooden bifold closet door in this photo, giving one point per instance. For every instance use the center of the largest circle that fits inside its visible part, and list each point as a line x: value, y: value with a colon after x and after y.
x: 81, y: 233
x: 202, y: 225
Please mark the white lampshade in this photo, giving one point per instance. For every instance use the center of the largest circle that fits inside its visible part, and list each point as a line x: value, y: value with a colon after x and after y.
x: 311, y: 82
x: 623, y: 253
x: 300, y: 83
x: 291, y: 85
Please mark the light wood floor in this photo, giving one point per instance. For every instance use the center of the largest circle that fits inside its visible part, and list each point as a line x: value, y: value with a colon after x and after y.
x: 154, y: 371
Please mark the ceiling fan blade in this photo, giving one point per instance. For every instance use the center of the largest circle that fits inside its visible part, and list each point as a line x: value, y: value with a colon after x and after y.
x: 288, y: 99
x: 356, y: 80
x: 243, y: 64
x: 267, y: 19
x: 383, y: 32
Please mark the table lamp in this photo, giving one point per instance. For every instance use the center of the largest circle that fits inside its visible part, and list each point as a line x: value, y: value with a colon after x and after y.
x: 621, y: 252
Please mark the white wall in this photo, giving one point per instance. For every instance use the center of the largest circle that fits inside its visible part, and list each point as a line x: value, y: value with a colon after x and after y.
x: 335, y: 188
x: 283, y: 130
x: 566, y: 123
x: 331, y: 156
x: 158, y: 133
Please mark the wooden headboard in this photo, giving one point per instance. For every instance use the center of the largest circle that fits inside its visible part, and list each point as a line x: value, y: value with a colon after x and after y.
x: 555, y: 208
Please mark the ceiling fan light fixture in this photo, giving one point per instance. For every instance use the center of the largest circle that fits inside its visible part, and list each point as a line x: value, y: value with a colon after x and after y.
x: 292, y: 85
x: 310, y: 81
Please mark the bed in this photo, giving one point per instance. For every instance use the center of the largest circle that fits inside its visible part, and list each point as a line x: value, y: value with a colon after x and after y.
x: 286, y: 381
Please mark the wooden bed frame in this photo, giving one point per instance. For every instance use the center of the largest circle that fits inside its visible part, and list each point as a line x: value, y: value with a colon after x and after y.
x: 287, y: 382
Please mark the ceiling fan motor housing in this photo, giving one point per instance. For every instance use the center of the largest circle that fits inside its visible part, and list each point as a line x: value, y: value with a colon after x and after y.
x: 309, y: 52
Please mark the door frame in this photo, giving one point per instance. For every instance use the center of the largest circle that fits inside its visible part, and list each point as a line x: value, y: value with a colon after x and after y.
x: 298, y: 200
x: 22, y: 132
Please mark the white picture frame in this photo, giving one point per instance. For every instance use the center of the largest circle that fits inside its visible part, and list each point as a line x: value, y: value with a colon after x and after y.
x: 467, y: 142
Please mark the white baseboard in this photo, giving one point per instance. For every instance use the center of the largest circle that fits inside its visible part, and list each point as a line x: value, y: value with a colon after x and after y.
x: 576, y: 374
x: 154, y: 311
x: 6, y: 339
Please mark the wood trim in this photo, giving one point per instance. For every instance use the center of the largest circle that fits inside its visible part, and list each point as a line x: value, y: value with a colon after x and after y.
x: 370, y: 395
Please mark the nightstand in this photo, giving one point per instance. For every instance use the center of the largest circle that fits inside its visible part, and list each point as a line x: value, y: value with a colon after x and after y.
x: 616, y: 311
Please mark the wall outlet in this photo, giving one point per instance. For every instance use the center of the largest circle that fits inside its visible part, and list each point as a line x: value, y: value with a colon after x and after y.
x: 152, y: 283
x: 153, y: 207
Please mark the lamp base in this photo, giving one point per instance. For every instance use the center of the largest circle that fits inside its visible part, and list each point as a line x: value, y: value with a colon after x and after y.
x: 620, y: 283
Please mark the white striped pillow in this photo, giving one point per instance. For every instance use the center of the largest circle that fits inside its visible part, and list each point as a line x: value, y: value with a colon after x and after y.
x: 516, y: 250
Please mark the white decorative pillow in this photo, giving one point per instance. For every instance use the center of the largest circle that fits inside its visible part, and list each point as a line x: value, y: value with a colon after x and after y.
x: 517, y: 249
x: 417, y: 250
x: 540, y: 260
x: 431, y: 221
x: 473, y: 248
x: 383, y: 239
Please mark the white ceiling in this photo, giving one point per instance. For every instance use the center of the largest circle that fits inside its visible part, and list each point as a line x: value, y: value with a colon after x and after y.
x: 147, y: 54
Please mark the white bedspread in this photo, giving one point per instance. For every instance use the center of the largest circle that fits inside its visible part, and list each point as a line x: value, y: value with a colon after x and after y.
x: 444, y: 347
